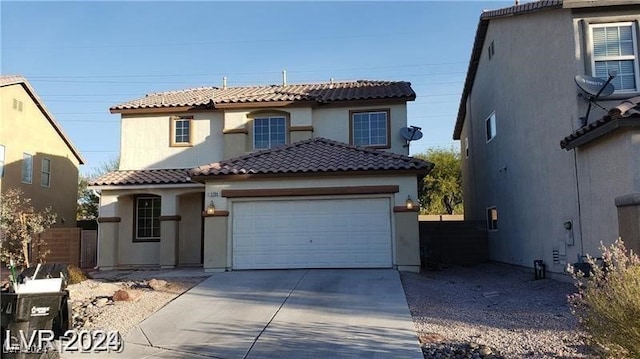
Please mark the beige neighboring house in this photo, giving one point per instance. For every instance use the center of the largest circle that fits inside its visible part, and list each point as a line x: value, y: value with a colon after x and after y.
x: 549, y: 185
x: 35, y: 154
x: 264, y: 177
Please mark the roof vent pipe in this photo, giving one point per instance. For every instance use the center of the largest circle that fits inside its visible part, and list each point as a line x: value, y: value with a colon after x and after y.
x: 284, y: 77
x: 517, y: 2
x: 224, y: 82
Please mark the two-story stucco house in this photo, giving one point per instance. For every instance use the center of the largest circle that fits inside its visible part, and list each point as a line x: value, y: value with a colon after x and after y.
x: 545, y: 180
x: 280, y: 176
x: 35, y: 154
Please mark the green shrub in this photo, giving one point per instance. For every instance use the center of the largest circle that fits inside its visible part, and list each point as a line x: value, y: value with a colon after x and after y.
x: 607, y: 303
x: 76, y: 275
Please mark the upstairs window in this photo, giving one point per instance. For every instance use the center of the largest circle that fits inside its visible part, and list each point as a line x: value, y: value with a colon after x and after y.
x: 181, y: 131
x: 490, y: 126
x: 147, y: 219
x: 45, y: 178
x: 370, y: 128
x: 27, y: 168
x: 614, y: 47
x: 269, y: 132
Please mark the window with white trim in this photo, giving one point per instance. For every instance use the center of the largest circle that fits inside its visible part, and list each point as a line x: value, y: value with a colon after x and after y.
x: 490, y: 126
x: 147, y: 219
x: 492, y: 218
x: 614, y: 46
x: 370, y: 128
x: 269, y: 132
x: 27, y: 168
x: 1, y: 161
x: 45, y: 175
x: 181, y: 131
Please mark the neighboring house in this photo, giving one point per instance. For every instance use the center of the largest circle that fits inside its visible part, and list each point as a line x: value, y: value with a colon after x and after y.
x: 35, y: 154
x: 280, y: 176
x: 545, y: 183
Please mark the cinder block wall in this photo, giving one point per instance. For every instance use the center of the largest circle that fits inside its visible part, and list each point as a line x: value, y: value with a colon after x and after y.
x: 64, y: 244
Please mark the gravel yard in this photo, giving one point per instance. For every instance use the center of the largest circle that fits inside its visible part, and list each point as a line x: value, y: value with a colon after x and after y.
x: 492, y: 311
x: 95, y: 308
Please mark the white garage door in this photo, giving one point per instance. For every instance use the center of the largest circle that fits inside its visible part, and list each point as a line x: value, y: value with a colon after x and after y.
x: 312, y: 233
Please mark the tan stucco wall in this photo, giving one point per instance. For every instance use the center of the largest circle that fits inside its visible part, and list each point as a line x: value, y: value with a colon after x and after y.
x: 333, y: 123
x: 145, y: 142
x: 404, y: 225
x: 29, y: 131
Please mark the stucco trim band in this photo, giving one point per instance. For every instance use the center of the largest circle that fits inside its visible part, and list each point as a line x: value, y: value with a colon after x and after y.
x: 229, y: 131
x: 397, y: 209
x: 170, y: 218
x: 217, y: 213
x: 109, y: 219
x: 311, y: 191
x: 632, y: 199
x: 300, y: 128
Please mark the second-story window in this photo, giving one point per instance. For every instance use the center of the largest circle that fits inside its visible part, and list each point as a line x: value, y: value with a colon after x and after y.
x: 45, y: 178
x: 181, y: 129
x: 269, y: 132
x: 614, y: 47
x: 490, y: 127
x: 27, y: 168
x: 370, y: 128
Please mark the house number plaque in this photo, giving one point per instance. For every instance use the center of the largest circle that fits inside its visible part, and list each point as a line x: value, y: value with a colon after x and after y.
x: 213, y: 194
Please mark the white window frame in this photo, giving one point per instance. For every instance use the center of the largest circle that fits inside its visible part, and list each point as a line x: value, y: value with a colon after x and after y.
x: 634, y: 57
x: 152, y: 238
x: 45, y: 173
x: 490, y: 129
x: 270, y: 126
x: 492, y: 224
x: 27, y: 168
x: 2, y: 156
x: 387, y: 115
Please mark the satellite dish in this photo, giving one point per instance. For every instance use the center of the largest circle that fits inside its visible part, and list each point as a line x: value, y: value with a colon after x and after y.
x: 594, y: 86
x: 411, y: 133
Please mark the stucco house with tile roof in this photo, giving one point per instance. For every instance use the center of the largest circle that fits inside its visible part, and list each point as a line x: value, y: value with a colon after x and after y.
x: 36, y: 156
x: 264, y: 177
x: 550, y: 181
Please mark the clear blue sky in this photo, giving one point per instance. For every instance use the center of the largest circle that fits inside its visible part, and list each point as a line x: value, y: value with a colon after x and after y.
x: 83, y: 57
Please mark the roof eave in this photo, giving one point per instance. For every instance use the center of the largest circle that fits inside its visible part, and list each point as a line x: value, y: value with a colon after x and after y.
x: 599, y: 131
x: 248, y: 176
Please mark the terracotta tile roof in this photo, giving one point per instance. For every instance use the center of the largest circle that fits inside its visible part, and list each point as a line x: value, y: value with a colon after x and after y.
x: 627, y: 110
x: 138, y: 177
x: 8, y: 80
x: 316, y: 155
x: 320, y: 93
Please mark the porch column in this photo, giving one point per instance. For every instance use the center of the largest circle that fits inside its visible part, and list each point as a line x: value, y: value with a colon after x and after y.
x: 109, y: 225
x: 215, y: 241
x: 169, y: 220
x: 407, y: 256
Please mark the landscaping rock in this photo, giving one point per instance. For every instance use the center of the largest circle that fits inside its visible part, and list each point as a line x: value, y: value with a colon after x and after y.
x: 121, y: 295
x: 157, y: 284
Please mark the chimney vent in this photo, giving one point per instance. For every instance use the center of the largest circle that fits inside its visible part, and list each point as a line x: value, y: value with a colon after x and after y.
x: 284, y: 77
x: 224, y: 82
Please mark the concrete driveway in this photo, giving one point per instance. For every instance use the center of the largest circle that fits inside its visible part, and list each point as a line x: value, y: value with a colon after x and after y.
x: 283, y: 314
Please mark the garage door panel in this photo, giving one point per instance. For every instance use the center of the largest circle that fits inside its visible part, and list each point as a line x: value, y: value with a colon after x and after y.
x: 337, y: 233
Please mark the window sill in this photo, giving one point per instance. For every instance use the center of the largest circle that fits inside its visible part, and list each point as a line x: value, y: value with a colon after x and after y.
x: 146, y: 240
x: 181, y: 145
